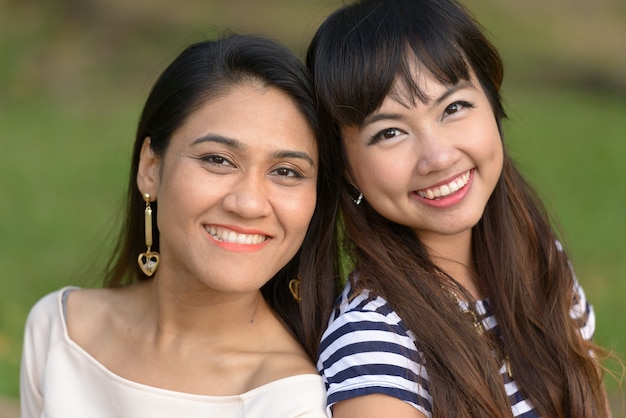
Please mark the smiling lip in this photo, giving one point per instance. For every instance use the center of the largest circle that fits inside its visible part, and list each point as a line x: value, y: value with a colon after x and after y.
x: 447, y: 188
x: 232, y: 240
x: 448, y: 193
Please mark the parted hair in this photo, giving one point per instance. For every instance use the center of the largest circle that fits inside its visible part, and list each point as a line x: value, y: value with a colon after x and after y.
x: 356, y: 56
x: 203, y: 72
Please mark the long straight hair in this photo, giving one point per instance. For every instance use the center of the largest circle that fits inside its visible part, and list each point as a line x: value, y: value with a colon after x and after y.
x: 356, y: 56
x: 202, y: 72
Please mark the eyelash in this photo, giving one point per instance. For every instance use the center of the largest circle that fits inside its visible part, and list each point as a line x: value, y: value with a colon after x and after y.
x: 293, y: 173
x: 219, y: 160
x: 216, y: 160
x: 381, y: 134
x: 460, y: 103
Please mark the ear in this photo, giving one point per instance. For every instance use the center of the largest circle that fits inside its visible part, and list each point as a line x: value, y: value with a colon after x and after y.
x: 148, y: 173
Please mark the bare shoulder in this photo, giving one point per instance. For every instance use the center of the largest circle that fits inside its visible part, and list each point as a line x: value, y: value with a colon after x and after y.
x: 374, y: 406
x: 283, y: 357
x: 92, y: 313
x: 292, y: 361
x: 82, y: 303
x: 291, y: 349
x: 85, y: 300
x: 83, y: 297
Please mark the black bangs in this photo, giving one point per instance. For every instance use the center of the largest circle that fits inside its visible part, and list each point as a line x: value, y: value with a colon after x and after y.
x: 353, y: 68
x: 360, y: 51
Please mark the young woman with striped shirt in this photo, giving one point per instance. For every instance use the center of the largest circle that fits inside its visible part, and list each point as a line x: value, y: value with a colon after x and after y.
x: 462, y: 301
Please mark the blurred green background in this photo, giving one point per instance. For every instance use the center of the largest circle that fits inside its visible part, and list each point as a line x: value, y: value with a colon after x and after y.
x: 74, y: 75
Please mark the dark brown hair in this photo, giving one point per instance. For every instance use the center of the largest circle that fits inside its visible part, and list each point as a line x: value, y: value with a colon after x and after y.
x: 356, y: 56
x: 202, y: 72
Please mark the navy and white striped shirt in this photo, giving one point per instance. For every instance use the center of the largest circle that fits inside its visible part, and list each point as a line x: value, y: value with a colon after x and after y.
x: 364, y: 351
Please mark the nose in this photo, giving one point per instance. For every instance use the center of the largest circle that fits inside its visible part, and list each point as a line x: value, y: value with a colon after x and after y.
x: 436, y: 153
x: 248, y: 197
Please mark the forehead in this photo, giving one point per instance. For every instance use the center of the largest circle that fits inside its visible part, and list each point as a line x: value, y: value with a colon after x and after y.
x: 252, y: 114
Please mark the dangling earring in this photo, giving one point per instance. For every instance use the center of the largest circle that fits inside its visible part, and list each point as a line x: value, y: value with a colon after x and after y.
x: 148, y: 261
x: 355, y: 194
x: 294, y: 288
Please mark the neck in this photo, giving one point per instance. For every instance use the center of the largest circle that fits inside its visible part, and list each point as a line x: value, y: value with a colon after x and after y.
x: 176, y: 311
x: 453, y: 255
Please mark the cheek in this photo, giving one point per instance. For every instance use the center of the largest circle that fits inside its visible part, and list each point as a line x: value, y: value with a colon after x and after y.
x: 296, y: 208
x: 173, y: 175
x: 382, y: 172
x: 358, y: 160
x: 499, y: 157
x: 489, y: 145
x: 185, y: 178
x: 179, y: 198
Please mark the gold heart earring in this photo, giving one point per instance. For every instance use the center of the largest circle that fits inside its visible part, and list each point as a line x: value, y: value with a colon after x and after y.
x: 294, y: 288
x: 148, y: 261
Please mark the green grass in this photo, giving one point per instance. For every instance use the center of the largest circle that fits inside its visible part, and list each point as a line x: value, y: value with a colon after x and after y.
x: 63, y: 174
x: 570, y: 144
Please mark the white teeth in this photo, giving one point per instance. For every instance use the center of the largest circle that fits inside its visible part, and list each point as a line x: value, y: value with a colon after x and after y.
x: 226, y: 235
x: 446, y: 189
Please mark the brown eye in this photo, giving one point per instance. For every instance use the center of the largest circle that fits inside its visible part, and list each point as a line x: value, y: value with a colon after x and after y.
x: 453, y: 108
x: 385, y: 134
x: 216, y: 159
x: 286, y: 172
x: 456, y: 107
x: 390, y: 133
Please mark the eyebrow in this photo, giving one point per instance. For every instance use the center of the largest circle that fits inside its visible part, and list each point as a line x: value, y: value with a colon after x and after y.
x: 396, y: 116
x: 229, y: 142
x: 237, y: 145
x: 451, y: 90
x: 382, y: 116
x: 294, y: 154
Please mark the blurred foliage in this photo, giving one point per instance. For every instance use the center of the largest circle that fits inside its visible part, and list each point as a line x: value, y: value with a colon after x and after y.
x: 74, y: 74
x: 68, y: 49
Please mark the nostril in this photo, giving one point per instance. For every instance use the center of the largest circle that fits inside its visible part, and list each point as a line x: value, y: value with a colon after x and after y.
x: 247, y: 202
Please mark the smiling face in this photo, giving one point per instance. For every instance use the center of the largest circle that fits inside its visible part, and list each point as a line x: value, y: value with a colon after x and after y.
x: 236, y: 190
x: 429, y: 166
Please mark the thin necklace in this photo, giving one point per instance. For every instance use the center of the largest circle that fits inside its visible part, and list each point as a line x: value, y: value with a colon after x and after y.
x: 480, y: 328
